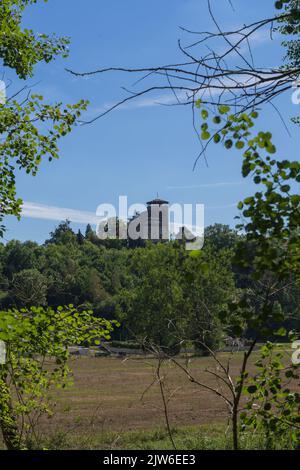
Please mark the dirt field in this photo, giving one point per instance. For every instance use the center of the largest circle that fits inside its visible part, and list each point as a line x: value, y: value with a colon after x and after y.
x: 113, y: 394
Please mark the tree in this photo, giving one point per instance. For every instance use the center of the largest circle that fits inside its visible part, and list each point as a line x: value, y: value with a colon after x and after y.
x: 173, y: 297
x: 208, y: 287
x: 88, y: 287
x: 80, y: 237
x: 62, y: 234
x: 223, y: 78
x: 273, y: 406
x: 30, y: 128
x: 219, y: 237
x: 270, y: 220
x: 152, y: 305
x: 21, y: 49
x: 18, y: 256
x: 29, y: 288
x: 62, y: 270
x: 89, y: 232
x: 32, y: 336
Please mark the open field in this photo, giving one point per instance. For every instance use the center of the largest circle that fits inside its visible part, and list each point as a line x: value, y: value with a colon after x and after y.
x: 116, y: 404
x: 114, y: 394
x: 112, y: 397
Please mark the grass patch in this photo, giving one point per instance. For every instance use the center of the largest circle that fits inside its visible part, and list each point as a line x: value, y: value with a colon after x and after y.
x: 205, y: 437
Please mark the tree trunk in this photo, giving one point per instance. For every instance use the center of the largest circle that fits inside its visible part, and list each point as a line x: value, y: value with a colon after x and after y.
x: 235, y: 429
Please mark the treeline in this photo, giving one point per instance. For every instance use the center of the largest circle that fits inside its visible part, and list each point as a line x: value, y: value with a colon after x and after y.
x: 162, y: 294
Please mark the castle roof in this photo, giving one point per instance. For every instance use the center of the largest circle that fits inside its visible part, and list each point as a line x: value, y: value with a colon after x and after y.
x: 157, y: 201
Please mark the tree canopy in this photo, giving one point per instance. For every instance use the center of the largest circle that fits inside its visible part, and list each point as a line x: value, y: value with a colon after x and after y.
x: 30, y: 128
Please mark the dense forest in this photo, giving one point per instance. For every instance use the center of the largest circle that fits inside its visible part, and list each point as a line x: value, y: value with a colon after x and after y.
x: 160, y: 293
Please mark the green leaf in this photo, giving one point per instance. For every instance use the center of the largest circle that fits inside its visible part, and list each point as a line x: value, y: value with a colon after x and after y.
x: 280, y: 331
x: 240, y: 144
x: 224, y: 109
x: 205, y: 135
x: 217, y: 138
x: 252, y: 389
x: 217, y: 119
x: 195, y: 253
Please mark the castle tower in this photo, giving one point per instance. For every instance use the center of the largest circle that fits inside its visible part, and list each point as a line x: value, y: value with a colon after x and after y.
x: 158, y: 220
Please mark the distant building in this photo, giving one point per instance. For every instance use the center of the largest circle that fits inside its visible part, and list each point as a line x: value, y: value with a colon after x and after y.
x: 152, y: 224
x: 158, y: 220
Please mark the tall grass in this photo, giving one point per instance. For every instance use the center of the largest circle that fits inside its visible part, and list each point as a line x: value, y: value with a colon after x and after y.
x: 206, y: 437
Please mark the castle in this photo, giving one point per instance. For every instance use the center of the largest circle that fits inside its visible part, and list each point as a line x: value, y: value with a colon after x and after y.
x: 152, y: 224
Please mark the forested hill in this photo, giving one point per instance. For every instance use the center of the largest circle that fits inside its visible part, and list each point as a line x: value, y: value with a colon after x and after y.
x: 154, y: 291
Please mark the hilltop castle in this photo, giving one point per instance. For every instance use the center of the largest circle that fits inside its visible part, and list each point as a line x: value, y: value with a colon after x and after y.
x: 152, y: 224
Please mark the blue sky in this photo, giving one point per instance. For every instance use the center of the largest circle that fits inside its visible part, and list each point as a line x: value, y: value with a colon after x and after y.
x: 143, y: 148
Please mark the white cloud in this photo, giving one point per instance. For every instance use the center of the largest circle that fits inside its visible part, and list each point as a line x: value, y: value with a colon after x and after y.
x: 165, y: 99
x: 40, y: 211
